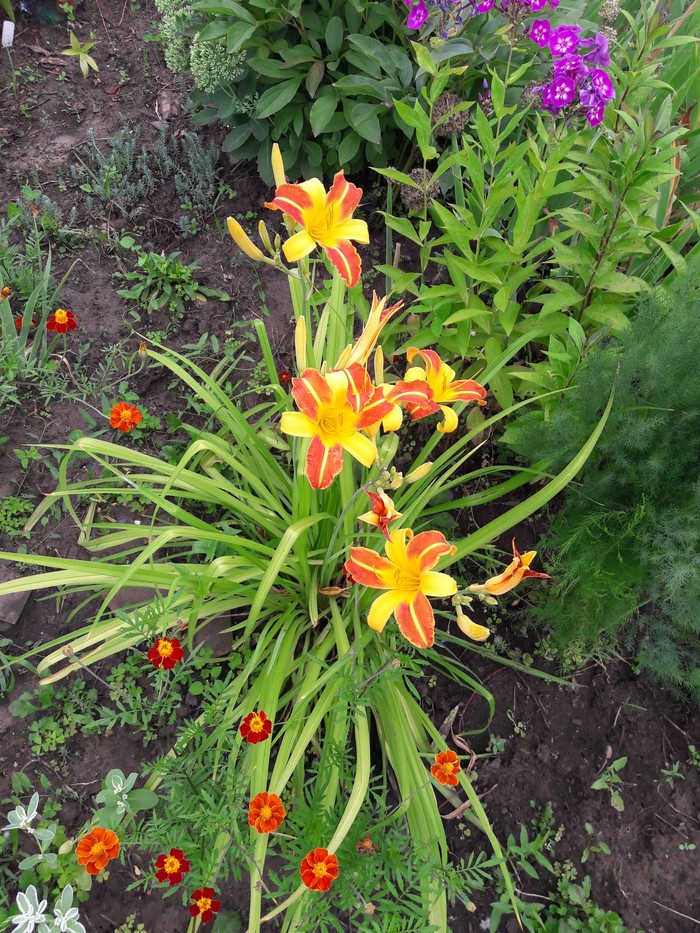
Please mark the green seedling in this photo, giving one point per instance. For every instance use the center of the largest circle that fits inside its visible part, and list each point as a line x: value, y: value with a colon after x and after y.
x: 608, y: 779
x: 85, y: 61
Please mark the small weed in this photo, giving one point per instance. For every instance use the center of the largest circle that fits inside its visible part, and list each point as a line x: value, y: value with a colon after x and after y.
x: 596, y: 845
x: 607, y: 781
x: 14, y: 512
x: 673, y: 774
x: 694, y: 756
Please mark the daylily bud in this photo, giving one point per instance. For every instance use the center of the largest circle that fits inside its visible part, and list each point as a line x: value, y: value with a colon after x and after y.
x: 378, y: 366
x: 300, y: 344
x: 419, y: 472
x: 265, y: 237
x: 344, y: 358
x: 143, y: 351
x: 243, y: 241
x: 277, y: 165
x: 387, y: 447
x: 471, y: 629
x: 278, y: 244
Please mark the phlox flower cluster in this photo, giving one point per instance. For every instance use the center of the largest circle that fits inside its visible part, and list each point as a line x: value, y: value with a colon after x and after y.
x: 578, y: 72
x: 514, y: 9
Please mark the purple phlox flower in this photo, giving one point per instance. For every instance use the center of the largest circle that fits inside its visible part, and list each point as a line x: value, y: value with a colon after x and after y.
x: 571, y: 66
x: 595, y: 114
x: 558, y: 94
x: 417, y: 15
x: 564, y: 39
x: 485, y: 6
x: 598, y: 55
x: 602, y: 84
x: 540, y: 32
x: 537, y: 5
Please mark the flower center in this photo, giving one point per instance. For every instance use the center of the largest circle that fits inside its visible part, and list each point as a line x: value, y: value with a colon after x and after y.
x: 265, y: 813
x: 404, y: 579
x: 98, y: 850
x: 204, y: 903
x: 322, y: 224
x: 61, y: 316
x: 256, y: 724
x: 171, y: 864
x: 448, y: 767
x: 165, y: 649
x: 320, y: 870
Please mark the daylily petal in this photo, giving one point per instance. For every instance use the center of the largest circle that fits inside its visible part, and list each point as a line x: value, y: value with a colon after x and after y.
x: 352, y: 230
x: 433, y: 583
x: 416, y: 621
x: 464, y: 390
x: 369, y: 568
x: 345, y: 196
x: 370, y: 517
x: 346, y: 260
x: 323, y: 463
x: 395, y: 547
x: 394, y: 420
x: 297, y: 424
x: 314, y: 188
x: 311, y: 390
x: 382, y: 608
x: 451, y: 421
x: 361, y: 448
x: 472, y: 629
x: 428, y: 547
x: 378, y: 317
x: 411, y: 392
x: 359, y: 386
x: 297, y: 246
x: 373, y: 411
x: 293, y: 200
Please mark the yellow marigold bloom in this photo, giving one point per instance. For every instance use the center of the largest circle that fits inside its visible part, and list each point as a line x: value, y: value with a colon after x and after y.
x: 407, y: 576
x: 326, y: 221
x: 444, y: 387
x: 518, y: 569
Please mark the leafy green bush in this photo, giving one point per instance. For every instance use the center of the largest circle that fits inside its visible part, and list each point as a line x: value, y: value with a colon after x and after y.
x: 625, y: 548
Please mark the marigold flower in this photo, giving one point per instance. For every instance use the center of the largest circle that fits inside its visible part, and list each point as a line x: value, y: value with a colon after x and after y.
x: 518, y: 569
x: 366, y: 846
x: 284, y: 376
x: 125, y: 417
x: 96, y: 849
x: 335, y: 408
x: 445, y: 388
x: 172, y: 867
x: 256, y: 727
x: 446, y: 768
x: 265, y: 812
x: 407, y: 576
x: 319, y: 869
x: 61, y: 321
x: 165, y: 653
x: 382, y: 513
x: 326, y: 219
x: 204, y: 904
x: 5, y: 292
x: 20, y: 320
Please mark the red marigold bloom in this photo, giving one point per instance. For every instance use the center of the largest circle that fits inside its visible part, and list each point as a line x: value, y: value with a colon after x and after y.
x: 125, y: 417
x: 165, y: 653
x: 61, y: 321
x: 284, y: 376
x: 319, y: 869
x: 256, y: 727
x: 265, y: 812
x: 204, y: 904
x: 96, y: 849
x: 172, y: 867
x: 446, y: 768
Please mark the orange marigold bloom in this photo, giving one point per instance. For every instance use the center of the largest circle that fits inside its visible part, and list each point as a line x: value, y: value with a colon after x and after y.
x: 61, y: 321
x: 406, y: 573
x: 256, y: 727
x: 518, y: 569
x: 265, y: 812
x: 326, y: 221
x: 96, y: 849
x: 165, y: 653
x: 204, y: 904
x: 5, y: 292
x: 444, y: 388
x: 446, y: 768
x: 366, y: 846
x: 172, y: 867
x: 125, y: 417
x: 319, y: 869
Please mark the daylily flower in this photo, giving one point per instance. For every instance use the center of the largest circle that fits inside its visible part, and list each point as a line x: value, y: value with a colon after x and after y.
x: 61, y: 321
x: 407, y: 576
x: 444, y: 387
x: 256, y: 727
x: 265, y: 812
x: 326, y: 219
x: 379, y: 314
x: 382, y: 512
x: 172, y: 867
x: 204, y: 904
x: 125, y: 417
x: 470, y: 628
x: 319, y: 869
x: 335, y: 408
x: 517, y: 570
x: 446, y: 768
x: 96, y: 849
x: 165, y: 653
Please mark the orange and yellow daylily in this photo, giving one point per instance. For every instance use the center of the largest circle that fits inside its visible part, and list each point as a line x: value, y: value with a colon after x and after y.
x: 407, y: 576
x: 379, y: 314
x: 518, y: 569
x: 326, y: 221
x: 334, y: 410
x: 444, y: 387
x: 383, y: 511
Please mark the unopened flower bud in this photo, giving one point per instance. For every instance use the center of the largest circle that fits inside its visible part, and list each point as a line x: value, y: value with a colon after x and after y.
x: 277, y: 165
x: 143, y: 351
x: 243, y: 241
x: 419, y: 472
x: 265, y: 237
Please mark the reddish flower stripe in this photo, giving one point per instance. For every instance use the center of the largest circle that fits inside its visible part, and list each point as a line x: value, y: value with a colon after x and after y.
x: 346, y: 260
x: 292, y: 199
x: 345, y: 195
x: 416, y: 621
x: 323, y: 463
x: 311, y: 390
x: 365, y: 565
x: 375, y: 409
x: 428, y: 547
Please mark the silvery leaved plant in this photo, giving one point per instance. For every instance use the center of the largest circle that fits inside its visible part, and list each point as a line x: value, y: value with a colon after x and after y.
x: 19, y: 818
x: 32, y: 916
